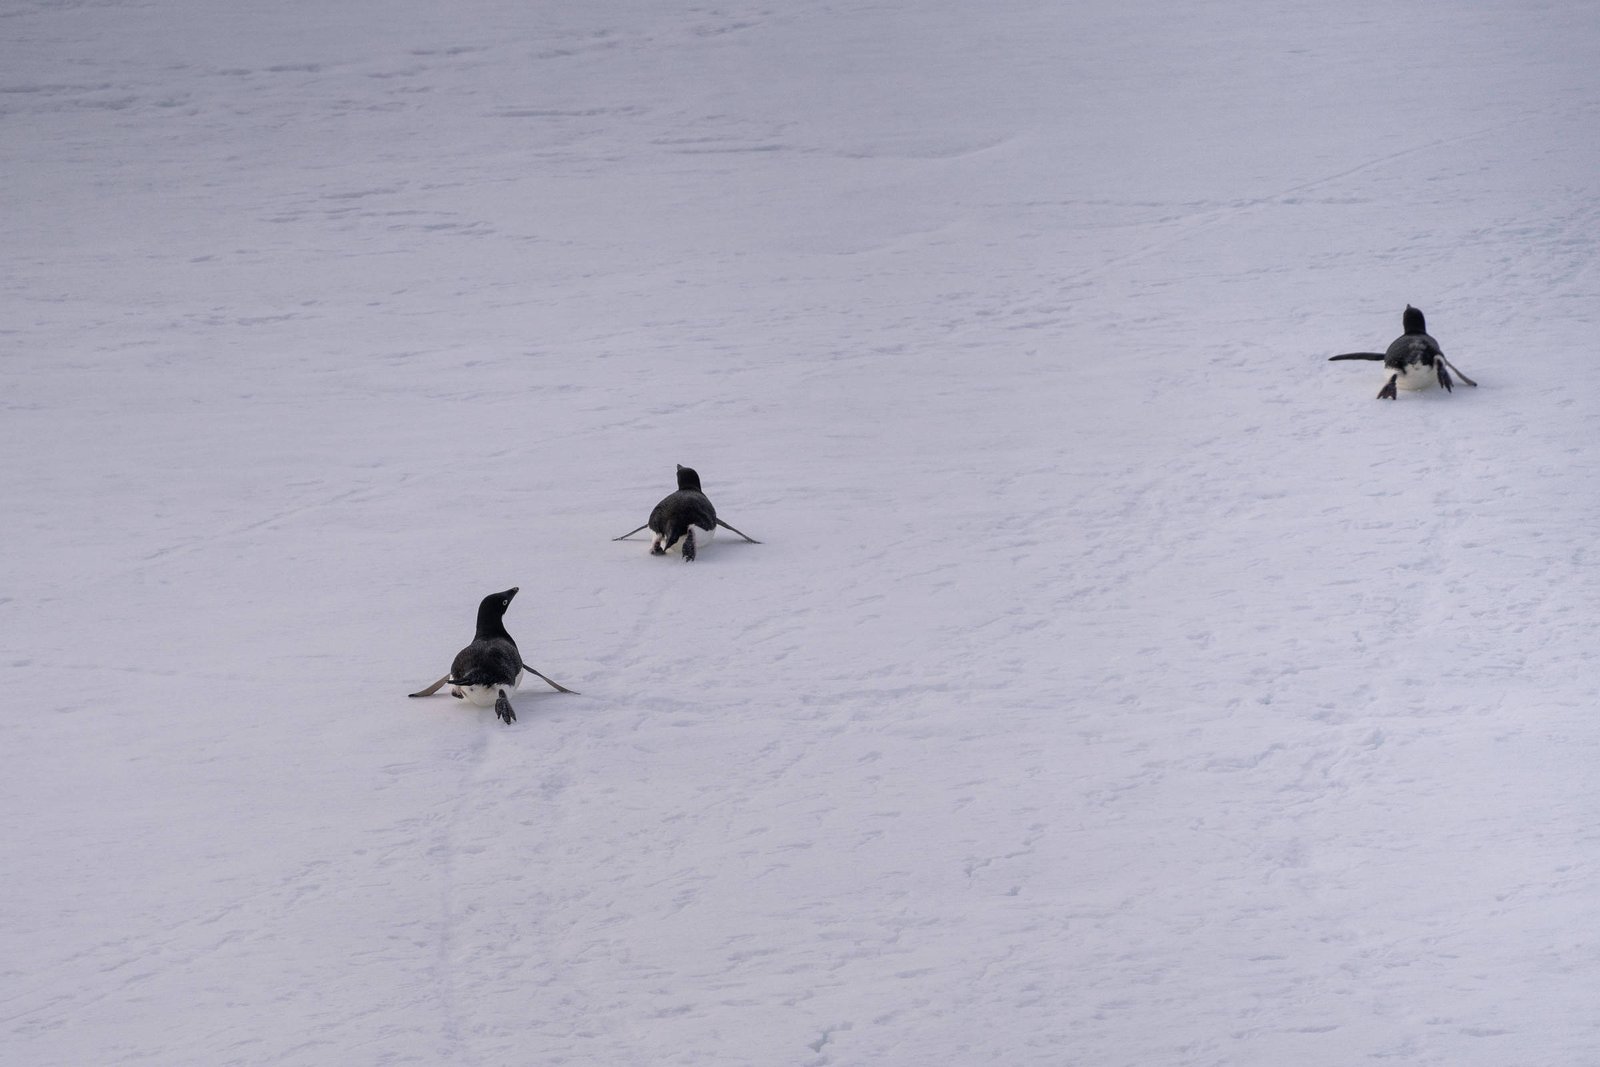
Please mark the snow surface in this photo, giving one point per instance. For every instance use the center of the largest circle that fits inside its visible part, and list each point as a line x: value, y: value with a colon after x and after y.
x: 1118, y: 682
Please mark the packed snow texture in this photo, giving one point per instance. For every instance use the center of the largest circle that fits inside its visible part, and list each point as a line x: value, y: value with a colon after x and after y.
x: 1118, y: 682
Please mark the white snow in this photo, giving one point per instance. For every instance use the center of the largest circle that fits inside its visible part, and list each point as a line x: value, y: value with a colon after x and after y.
x: 1118, y: 682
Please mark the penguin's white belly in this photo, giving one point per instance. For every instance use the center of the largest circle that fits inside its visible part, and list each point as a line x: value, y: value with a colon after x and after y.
x: 702, y: 538
x: 485, y: 695
x: 1418, y: 377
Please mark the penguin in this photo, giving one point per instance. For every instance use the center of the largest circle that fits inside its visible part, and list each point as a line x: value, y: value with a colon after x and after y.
x: 684, y: 520
x: 1413, y: 361
x: 484, y: 670
x: 685, y: 515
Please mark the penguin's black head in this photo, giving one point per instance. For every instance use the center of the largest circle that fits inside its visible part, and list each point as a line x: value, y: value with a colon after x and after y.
x: 1412, y: 321
x: 494, y: 605
x: 687, y: 478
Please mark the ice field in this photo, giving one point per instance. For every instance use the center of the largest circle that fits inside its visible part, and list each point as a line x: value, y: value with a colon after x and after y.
x: 1117, y: 683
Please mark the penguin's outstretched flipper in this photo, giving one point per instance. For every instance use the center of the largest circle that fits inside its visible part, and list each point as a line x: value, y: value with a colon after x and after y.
x: 741, y: 533
x: 1376, y: 357
x: 1464, y: 379
x: 631, y: 532
x: 552, y: 684
x: 432, y: 689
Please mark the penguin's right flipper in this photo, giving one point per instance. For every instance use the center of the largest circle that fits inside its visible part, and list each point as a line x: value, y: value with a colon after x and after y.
x: 432, y: 689
x: 1387, y: 392
x: 502, y: 708
x: 741, y: 533
x: 1374, y: 356
x: 630, y: 533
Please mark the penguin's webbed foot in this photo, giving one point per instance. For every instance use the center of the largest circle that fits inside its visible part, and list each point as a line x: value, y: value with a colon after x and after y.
x: 1387, y: 392
x: 688, y: 547
x: 502, y: 708
x: 1444, y: 377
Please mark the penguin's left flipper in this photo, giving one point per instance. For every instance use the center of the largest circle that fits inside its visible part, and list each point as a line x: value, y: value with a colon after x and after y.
x: 1374, y: 356
x: 1387, y: 392
x: 1457, y: 369
x: 502, y: 708
x: 553, y: 685
x: 432, y: 689
x: 741, y: 533
x: 1444, y: 376
x: 630, y: 533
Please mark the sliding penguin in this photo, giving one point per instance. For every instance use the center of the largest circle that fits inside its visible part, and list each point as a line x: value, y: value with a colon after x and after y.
x: 684, y: 520
x: 484, y: 670
x: 1414, y: 360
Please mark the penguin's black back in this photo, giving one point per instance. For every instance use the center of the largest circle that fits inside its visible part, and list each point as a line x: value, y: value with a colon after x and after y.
x: 492, y: 662
x: 492, y: 658
x: 1414, y: 346
x: 678, y: 511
